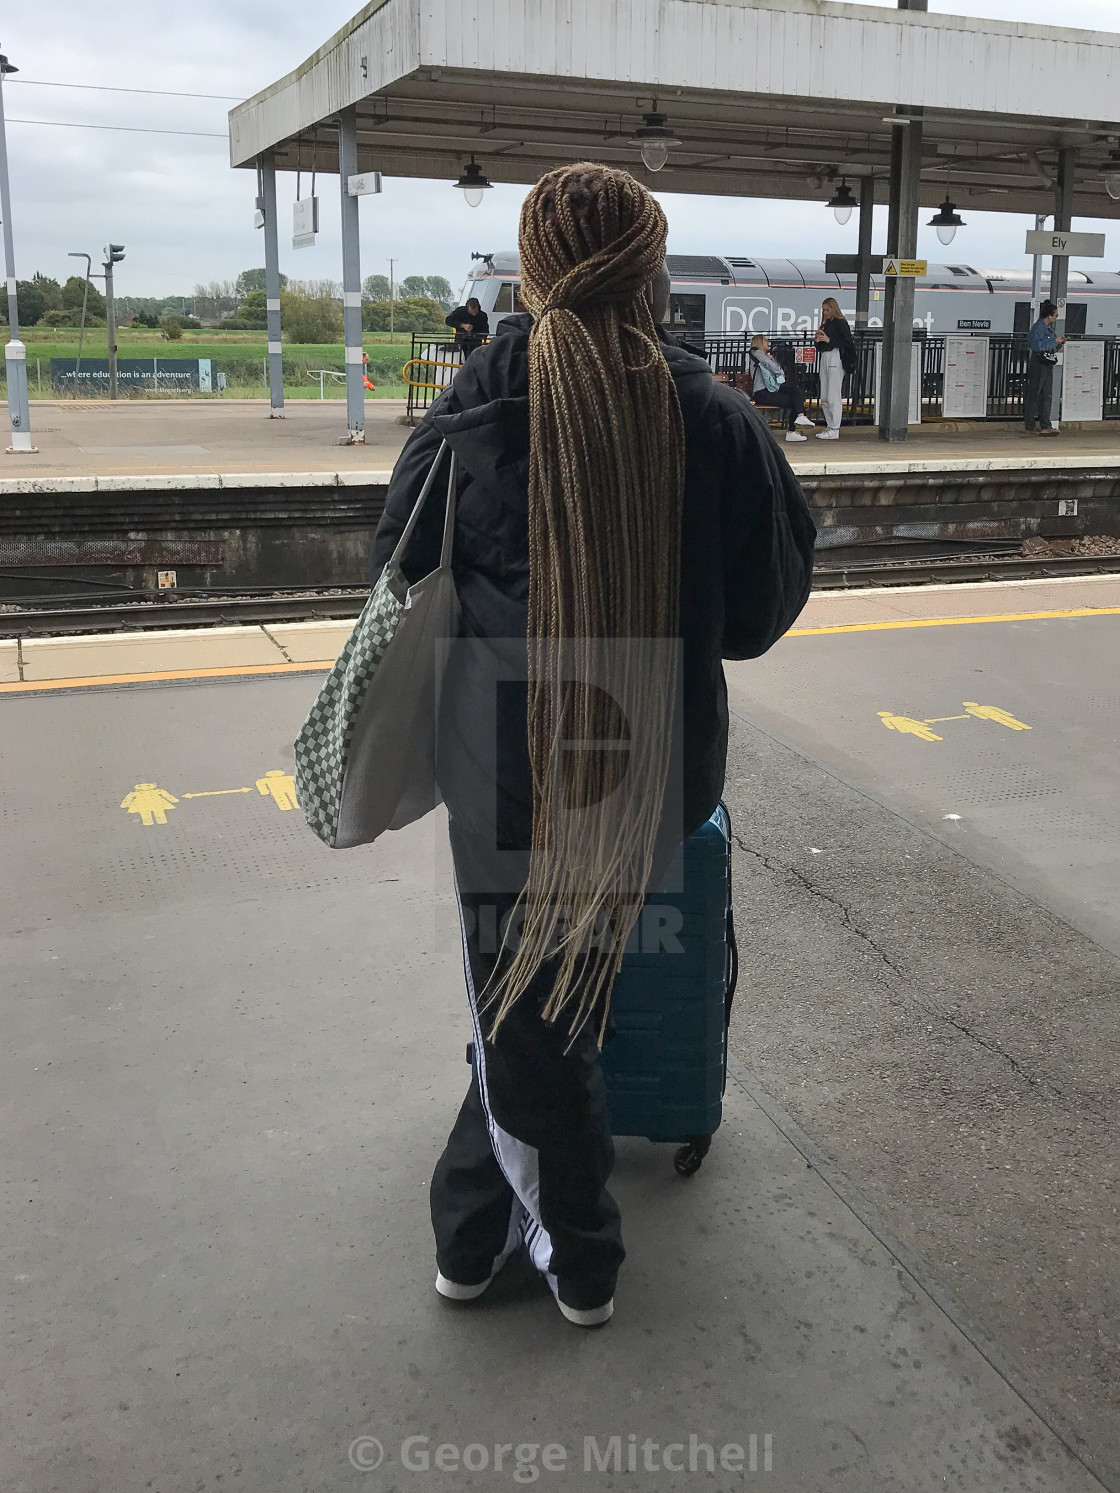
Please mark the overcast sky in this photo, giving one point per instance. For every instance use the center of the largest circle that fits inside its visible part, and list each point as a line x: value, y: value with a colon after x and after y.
x: 184, y: 216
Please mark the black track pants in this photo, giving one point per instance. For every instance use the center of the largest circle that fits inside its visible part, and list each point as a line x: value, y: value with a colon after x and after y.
x: 1040, y: 392
x: 786, y: 398
x: 532, y: 1146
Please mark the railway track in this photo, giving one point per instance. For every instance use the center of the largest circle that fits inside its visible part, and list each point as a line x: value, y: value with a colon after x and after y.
x: 42, y: 616
x: 866, y: 573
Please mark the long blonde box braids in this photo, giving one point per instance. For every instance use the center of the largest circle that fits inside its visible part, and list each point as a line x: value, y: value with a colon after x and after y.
x: 606, y: 478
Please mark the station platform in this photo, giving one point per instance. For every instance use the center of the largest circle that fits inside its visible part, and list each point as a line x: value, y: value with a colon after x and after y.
x: 233, y: 1057
x: 184, y: 437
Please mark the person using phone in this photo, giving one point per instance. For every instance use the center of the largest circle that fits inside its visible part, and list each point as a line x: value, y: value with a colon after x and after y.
x: 1044, y: 343
x: 836, y: 356
x: 472, y: 326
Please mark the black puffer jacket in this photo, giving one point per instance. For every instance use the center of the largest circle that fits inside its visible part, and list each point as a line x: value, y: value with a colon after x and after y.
x: 746, y: 563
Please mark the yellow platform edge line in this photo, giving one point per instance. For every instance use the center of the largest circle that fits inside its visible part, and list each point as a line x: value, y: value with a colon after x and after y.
x: 902, y: 622
x: 234, y: 671
x: 226, y: 671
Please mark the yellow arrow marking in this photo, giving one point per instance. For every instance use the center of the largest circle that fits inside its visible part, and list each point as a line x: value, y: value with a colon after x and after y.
x: 930, y: 720
x: 216, y: 793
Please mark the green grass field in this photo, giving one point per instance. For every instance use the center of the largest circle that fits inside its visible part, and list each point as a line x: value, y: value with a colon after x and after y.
x: 62, y: 342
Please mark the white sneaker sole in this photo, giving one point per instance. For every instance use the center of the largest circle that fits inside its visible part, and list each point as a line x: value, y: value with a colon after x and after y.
x: 453, y: 1291
x: 792, y: 438
x: 593, y: 1318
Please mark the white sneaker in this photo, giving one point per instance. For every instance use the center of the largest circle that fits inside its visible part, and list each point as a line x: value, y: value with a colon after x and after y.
x: 792, y: 435
x: 828, y: 435
x: 453, y: 1290
x: 593, y: 1318
x: 803, y: 420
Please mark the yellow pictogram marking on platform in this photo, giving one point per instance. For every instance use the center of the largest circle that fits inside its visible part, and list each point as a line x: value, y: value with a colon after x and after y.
x: 150, y: 802
x: 280, y: 786
x: 994, y: 713
x: 910, y: 726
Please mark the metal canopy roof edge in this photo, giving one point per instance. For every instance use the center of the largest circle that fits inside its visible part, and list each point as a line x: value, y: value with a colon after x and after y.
x: 433, y: 84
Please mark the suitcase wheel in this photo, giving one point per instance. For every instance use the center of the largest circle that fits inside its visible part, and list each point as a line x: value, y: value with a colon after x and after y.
x: 690, y: 1157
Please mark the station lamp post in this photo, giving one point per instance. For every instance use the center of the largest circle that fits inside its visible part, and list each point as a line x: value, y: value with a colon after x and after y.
x: 114, y: 253
x: 78, y: 254
x: 15, y: 353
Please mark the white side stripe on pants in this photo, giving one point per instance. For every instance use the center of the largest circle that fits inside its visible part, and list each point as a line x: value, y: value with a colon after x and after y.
x: 520, y: 1162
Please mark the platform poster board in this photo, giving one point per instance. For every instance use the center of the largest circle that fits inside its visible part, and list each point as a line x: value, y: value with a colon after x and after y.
x: 1083, y: 381
x: 915, y: 414
x: 167, y: 375
x: 965, y: 393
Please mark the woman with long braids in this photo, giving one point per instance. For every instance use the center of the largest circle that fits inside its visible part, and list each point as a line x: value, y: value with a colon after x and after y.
x: 623, y: 523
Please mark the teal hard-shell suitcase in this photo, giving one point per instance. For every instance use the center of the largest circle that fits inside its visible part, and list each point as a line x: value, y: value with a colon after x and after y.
x: 666, y: 1064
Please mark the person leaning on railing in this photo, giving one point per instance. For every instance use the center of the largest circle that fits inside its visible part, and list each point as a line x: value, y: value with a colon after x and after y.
x: 472, y: 326
x: 1044, y: 343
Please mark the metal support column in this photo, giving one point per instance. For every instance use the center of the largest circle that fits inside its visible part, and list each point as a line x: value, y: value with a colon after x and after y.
x: 272, y: 286
x: 863, y: 273
x: 902, y: 243
x: 351, y: 277
x: 1036, y: 270
x: 1059, y: 265
x: 15, y: 353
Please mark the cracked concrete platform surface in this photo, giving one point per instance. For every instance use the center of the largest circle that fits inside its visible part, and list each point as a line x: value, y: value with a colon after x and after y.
x: 231, y: 1058
x: 935, y: 1000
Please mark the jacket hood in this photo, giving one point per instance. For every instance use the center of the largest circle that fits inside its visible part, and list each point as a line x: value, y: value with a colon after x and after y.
x: 490, y: 431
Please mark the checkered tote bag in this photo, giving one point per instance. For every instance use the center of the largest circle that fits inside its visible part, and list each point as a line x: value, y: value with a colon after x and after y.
x: 365, y: 755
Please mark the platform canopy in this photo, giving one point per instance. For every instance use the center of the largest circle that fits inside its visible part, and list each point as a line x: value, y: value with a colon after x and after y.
x: 769, y: 98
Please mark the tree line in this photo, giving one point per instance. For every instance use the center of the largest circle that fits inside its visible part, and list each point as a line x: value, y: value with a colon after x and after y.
x: 311, y: 310
x: 44, y: 302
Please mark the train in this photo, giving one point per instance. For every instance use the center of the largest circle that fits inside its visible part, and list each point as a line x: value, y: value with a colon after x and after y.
x: 712, y: 293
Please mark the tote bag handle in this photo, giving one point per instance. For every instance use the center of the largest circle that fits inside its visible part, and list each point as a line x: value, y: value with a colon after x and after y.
x: 448, y: 518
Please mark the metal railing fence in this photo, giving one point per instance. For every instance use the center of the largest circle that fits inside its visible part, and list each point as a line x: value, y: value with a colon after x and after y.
x: 435, y: 361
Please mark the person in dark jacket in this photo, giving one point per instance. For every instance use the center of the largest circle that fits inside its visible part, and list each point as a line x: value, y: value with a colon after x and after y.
x: 836, y: 356
x: 1043, y: 343
x: 472, y: 326
x: 622, y: 519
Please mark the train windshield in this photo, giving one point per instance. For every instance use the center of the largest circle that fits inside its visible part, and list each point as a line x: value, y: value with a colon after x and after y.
x: 686, y: 313
x: 508, y: 297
